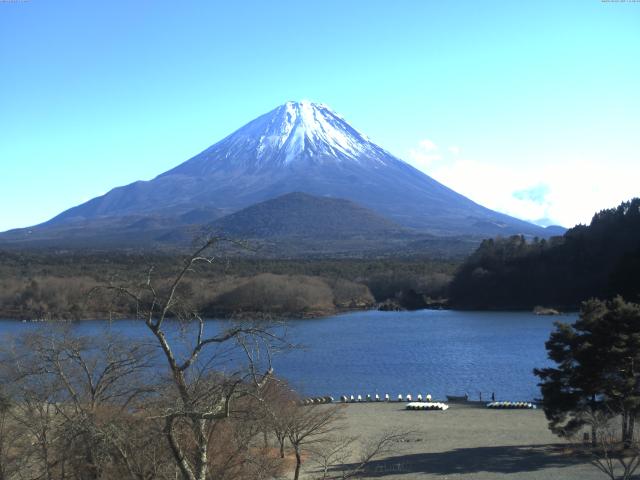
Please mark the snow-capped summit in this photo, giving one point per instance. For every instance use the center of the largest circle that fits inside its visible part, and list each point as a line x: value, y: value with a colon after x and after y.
x: 296, y: 132
x: 305, y: 129
x: 299, y: 147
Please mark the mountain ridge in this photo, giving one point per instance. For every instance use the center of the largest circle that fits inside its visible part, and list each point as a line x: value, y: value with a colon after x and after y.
x: 297, y: 147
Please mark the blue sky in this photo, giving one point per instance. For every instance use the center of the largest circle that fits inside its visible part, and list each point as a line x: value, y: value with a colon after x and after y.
x: 528, y: 107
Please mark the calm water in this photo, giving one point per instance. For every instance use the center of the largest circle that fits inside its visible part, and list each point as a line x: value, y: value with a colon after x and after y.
x: 428, y: 351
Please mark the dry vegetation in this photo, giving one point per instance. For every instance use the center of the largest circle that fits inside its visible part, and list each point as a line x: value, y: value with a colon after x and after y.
x: 56, y: 286
x: 293, y: 295
x: 77, y: 407
x: 98, y: 413
x: 187, y: 403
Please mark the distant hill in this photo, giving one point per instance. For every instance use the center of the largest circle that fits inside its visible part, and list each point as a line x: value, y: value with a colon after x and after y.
x: 298, y: 224
x: 302, y: 215
x: 293, y: 225
x: 555, y: 230
x: 599, y: 260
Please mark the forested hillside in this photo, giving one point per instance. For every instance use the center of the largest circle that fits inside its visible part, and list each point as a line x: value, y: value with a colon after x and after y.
x: 56, y: 285
x: 598, y: 260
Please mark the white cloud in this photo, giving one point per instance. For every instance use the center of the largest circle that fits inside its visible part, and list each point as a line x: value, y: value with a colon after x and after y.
x: 454, y: 149
x: 428, y: 145
x: 536, y: 194
x: 424, y: 155
x: 566, y: 193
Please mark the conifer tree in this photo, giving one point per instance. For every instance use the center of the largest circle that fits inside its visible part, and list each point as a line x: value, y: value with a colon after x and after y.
x: 598, y: 368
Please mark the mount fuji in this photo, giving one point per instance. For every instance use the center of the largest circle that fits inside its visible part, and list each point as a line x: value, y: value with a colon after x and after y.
x: 297, y: 147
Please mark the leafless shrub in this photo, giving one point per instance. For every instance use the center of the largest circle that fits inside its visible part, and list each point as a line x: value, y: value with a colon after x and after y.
x: 311, y: 426
x: 347, y: 294
x: 610, y: 455
x: 281, y: 294
x: 347, y: 457
x: 278, y: 405
x: 12, y: 440
x: 72, y: 394
x: 600, y: 439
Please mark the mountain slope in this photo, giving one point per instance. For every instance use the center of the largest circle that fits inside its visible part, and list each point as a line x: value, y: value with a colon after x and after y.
x: 302, y: 225
x: 297, y: 147
x: 302, y: 215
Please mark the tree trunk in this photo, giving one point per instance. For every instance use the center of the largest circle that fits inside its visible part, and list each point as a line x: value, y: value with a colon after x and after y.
x: 625, y: 430
x: 594, y: 434
x: 282, y: 449
x: 181, y: 461
x: 92, y: 468
x: 296, y: 475
x: 202, y: 442
x: 43, y: 441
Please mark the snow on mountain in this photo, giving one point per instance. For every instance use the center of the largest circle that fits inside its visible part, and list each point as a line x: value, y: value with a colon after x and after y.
x: 294, y: 133
x: 301, y: 147
x: 304, y: 127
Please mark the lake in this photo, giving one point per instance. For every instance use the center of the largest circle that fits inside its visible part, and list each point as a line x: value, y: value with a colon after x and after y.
x: 442, y: 352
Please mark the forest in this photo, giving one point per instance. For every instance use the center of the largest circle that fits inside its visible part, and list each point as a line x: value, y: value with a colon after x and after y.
x: 599, y: 260
x: 56, y: 285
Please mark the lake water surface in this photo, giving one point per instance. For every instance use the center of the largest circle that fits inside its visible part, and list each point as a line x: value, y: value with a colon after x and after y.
x: 442, y: 352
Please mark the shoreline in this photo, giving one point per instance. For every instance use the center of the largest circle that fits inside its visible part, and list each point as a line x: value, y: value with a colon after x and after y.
x: 303, y: 315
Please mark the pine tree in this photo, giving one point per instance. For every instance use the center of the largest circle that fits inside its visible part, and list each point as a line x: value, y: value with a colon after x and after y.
x: 598, y: 368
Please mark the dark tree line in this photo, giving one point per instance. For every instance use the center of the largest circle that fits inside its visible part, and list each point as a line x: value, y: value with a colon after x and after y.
x: 599, y: 260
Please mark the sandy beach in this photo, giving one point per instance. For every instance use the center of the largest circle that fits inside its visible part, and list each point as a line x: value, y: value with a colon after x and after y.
x: 467, y: 442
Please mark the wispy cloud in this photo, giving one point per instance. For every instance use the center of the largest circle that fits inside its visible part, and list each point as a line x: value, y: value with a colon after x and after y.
x: 565, y: 192
x: 428, y: 145
x: 536, y: 194
x: 424, y: 155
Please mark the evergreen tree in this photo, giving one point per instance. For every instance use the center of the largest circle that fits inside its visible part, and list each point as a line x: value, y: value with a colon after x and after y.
x: 599, y: 260
x: 598, y: 368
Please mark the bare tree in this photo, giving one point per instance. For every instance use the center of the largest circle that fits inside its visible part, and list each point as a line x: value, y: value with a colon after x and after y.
x: 72, y: 394
x: 204, y: 382
x: 279, y: 404
x: 615, y: 458
x: 11, y: 436
x: 139, y: 449
x: 236, y: 450
x: 310, y: 426
x: 335, y: 457
x: 187, y: 403
x: 332, y: 453
x: 38, y: 418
